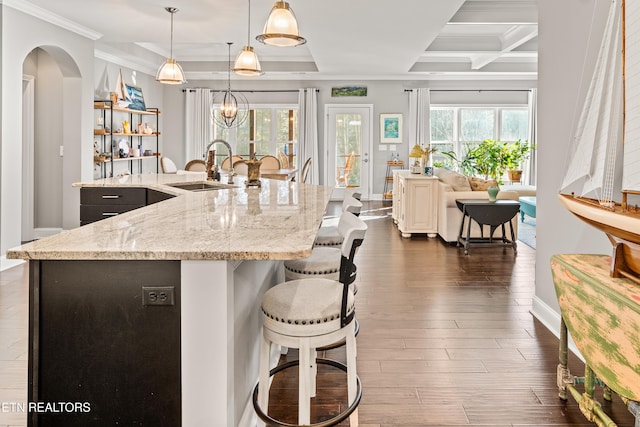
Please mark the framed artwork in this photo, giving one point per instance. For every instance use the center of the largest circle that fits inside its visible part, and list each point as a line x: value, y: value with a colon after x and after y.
x: 390, y: 128
x: 349, y: 91
x: 134, y: 93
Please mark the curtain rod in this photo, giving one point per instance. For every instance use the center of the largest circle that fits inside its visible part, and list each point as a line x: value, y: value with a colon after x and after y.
x: 475, y: 90
x: 252, y: 90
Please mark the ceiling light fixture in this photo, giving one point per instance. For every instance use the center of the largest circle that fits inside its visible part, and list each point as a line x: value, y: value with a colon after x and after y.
x: 234, y: 108
x: 247, y: 63
x: 281, y: 28
x: 171, y: 72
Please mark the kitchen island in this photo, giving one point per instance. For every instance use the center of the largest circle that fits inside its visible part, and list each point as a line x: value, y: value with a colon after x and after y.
x: 152, y: 317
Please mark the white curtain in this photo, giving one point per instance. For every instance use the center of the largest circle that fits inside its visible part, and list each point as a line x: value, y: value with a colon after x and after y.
x: 419, y: 117
x: 529, y: 171
x: 308, y: 132
x: 197, y: 122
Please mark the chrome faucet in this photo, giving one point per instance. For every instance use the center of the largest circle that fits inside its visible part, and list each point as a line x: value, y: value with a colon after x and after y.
x: 209, y: 166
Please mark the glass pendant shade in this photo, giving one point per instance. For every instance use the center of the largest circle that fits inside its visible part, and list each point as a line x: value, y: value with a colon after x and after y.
x: 247, y: 63
x: 170, y: 73
x: 281, y: 28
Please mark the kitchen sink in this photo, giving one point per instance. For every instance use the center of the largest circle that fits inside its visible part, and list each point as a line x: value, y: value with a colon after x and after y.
x: 201, y: 185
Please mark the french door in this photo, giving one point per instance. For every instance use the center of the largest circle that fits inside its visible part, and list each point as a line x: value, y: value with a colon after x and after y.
x: 348, y: 138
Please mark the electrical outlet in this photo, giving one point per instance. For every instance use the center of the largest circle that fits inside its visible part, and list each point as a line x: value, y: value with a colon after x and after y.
x: 158, y: 295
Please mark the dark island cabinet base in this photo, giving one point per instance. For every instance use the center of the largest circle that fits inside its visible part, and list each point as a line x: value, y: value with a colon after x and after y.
x: 97, y: 355
x: 98, y: 203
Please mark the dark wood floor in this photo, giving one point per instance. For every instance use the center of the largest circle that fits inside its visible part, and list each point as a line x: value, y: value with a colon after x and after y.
x: 445, y: 340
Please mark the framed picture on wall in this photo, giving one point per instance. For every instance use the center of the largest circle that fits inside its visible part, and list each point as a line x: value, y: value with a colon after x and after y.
x: 134, y: 93
x: 390, y: 128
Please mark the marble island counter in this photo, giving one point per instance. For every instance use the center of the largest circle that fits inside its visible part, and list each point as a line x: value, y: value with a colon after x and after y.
x: 152, y: 317
x: 277, y: 221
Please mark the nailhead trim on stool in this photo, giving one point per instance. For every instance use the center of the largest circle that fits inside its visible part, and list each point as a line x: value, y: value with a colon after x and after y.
x: 323, y: 261
x: 306, y: 302
x: 328, y: 236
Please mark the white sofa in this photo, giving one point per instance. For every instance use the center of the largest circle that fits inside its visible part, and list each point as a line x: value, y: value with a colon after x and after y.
x: 453, y: 186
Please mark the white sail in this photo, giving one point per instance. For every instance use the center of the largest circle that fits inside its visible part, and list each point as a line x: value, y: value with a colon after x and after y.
x: 631, y: 172
x: 120, y: 89
x: 598, y: 131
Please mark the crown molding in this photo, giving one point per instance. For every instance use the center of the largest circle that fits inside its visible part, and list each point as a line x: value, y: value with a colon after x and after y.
x: 52, y: 18
x: 114, y: 59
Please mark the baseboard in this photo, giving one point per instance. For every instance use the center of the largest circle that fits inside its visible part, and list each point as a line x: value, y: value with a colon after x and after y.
x: 6, y: 264
x: 551, y: 320
x: 40, y: 233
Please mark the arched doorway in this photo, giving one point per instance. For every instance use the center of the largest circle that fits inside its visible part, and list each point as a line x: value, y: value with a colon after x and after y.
x: 51, y: 84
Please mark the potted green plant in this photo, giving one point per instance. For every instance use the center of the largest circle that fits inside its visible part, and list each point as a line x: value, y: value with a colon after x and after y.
x: 516, y: 153
x: 489, y: 159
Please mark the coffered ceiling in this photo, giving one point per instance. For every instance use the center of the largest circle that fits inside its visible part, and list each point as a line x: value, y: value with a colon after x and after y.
x: 346, y: 39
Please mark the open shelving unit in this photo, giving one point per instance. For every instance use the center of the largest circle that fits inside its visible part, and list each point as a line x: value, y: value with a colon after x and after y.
x: 109, y: 151
x: 388, y: 179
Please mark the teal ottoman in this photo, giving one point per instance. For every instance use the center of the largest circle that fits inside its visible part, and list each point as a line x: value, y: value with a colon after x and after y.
x: 527, y: 206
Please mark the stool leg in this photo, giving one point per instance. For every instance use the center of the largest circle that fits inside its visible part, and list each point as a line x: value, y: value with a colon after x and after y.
x: 352, y: 385
x: 263, y: 378
x: 314, y: 372
x: 304, y: 383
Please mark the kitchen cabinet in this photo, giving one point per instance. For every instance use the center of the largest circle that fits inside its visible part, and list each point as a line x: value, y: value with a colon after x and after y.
x: 98, y: 203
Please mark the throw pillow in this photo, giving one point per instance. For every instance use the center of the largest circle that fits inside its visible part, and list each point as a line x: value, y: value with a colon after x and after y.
x: 479, y: 184
x: 456, y: 180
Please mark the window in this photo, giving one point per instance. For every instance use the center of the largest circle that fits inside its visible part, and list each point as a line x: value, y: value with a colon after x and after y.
x: 477, y: 124
x: 270, y: 127
x: 514, y: 124
x: 458, y: 128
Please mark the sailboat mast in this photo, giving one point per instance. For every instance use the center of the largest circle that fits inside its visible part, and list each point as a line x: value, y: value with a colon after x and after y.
x: 624, y: 90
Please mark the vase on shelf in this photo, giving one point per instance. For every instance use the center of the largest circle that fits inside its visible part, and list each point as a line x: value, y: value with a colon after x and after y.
x: 493, y: 193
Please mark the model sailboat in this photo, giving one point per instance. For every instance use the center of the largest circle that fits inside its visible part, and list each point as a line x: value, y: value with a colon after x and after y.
x: 605, y: 155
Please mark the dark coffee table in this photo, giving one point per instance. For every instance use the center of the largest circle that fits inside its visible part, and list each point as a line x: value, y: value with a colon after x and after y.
x: 494, y: 214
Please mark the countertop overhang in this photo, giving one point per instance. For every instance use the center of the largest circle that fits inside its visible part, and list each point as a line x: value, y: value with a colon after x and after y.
x: 276, y: 221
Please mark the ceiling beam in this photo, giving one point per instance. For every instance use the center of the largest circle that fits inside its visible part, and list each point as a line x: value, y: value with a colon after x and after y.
x: 497, y: 12
x: 512, y: 39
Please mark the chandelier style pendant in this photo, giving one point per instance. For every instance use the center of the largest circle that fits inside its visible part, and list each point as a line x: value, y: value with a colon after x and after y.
x: 233, y: 108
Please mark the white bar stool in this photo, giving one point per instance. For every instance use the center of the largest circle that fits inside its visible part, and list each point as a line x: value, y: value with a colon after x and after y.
x: 308, y: 314
x: 354, y: 192
x: 330, y: 235
x: 325, y: 261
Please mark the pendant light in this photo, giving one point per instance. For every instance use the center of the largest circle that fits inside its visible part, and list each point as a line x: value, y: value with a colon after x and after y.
x: 171, y: 72
x: 281, y: 28
x: 234, y: 108
x: 247, y: 63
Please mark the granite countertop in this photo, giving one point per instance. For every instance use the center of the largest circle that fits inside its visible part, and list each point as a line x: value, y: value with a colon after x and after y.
x: 278, y: 221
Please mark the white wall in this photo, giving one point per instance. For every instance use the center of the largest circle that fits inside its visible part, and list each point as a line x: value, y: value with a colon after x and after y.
x: 74, y: 55
x: 568, y: 44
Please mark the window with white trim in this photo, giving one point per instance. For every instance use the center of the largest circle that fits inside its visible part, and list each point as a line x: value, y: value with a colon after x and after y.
x: 460, y: 128
x: 270, y: 127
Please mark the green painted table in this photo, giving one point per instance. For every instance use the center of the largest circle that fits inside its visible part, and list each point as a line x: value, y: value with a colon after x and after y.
x: 603, y: 316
